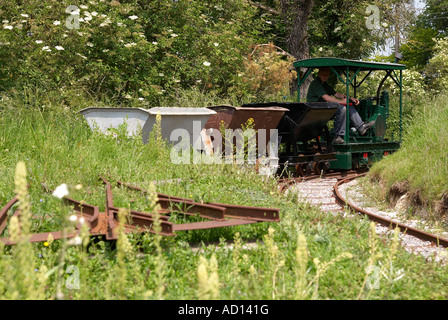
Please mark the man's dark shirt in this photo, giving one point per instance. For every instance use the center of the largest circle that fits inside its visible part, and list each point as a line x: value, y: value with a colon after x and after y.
x: 317, y: 89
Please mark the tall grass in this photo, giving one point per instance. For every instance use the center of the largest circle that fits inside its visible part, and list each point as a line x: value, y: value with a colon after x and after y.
x: 423, y: 158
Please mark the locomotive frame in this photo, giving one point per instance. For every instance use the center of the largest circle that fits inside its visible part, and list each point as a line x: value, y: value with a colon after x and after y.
x: 356, y: 151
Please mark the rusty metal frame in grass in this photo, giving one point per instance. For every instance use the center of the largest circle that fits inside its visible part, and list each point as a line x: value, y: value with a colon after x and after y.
x: 35, y: 237
x: 235, y: 214
x: 106, y: 223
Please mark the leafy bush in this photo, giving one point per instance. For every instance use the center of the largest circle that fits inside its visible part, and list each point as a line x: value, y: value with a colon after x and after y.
x: 413, y: 84
x: 266, y: 72
x: 125, y: 50
x: 437, y: 68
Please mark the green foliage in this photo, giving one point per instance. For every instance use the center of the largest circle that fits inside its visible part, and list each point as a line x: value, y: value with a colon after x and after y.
x: 413, y: 84
x: 419, y: 47
x: 338, y: 29
x: 126, y: 50
x: 424, y: 147
x: 430, y: 25
x: 143, y: 53
x: 435, y: 16
x: 437, y: 68
x: 267, y: 73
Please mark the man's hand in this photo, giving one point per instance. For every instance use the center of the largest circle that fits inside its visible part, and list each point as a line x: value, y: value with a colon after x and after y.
x: 343, y: 98
x: 355, y: 101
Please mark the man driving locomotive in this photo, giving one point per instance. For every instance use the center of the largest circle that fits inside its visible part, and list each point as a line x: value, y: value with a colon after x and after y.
x: 320, y: 91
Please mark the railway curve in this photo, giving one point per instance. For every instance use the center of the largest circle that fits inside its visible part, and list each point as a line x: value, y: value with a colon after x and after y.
x: 337, y: 193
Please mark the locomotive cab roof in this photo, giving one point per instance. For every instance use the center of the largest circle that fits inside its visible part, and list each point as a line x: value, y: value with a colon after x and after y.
x: 343, y: 64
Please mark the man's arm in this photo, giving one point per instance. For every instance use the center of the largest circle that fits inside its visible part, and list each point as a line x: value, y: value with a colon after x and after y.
x: 329, y: 98
x: 339, y: 98
x: 339, y: 95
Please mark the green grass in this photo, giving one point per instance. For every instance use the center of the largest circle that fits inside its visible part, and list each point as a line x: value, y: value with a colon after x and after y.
x: 422, y: 160
x: 57, y: 146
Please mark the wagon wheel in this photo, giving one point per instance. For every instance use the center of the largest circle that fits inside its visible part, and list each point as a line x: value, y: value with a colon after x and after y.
x: 309, y: 168
x: 299, y: 170
x: 321, y: 167
x: 304, y: 169
x: 316, y: 167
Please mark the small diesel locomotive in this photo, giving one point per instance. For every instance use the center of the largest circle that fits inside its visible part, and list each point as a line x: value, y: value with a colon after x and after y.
x: 305, y: 141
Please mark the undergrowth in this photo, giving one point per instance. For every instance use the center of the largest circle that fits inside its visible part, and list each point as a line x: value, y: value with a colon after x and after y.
x: 422, y: 161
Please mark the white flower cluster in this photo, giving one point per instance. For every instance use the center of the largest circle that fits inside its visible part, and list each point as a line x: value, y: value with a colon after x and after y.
x: 61, y: 191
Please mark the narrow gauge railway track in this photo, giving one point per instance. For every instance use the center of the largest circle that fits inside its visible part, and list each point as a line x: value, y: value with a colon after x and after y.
x: 325, y: 191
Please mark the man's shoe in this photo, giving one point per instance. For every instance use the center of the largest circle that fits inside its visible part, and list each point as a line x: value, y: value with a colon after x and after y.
x: 338, y: 140
x: 366, y: 126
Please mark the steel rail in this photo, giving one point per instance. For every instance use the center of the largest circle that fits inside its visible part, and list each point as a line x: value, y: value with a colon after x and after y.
x: 211, y: 224
x: 41, y: 237
x: 422, y: 235
x: 230, y: 211
x: 3, y: 213
x: 285, y: 183
x: 184, y: 205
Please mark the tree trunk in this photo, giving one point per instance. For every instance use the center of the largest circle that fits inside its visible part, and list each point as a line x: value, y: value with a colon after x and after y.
x: 295, y: 14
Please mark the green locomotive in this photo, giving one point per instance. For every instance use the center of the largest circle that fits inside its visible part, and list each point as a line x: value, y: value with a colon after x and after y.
x: 305, y: 141
x: 358, y: 151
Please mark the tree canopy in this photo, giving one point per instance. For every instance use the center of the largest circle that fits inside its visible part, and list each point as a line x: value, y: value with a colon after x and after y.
x: 430, y: 25
x: 144, y: 50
